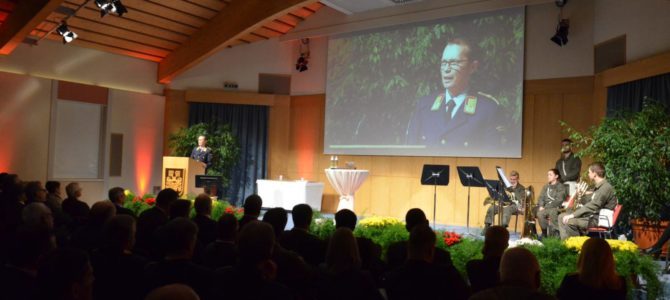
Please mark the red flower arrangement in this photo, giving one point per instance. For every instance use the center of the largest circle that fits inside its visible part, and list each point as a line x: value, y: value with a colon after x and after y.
x: 150, y: 201
x: 451, y: 238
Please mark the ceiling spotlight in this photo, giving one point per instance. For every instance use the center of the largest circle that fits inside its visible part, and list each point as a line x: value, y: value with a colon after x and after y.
x: 67, y: 34
x: 561, y: 35
x: 111, y: 6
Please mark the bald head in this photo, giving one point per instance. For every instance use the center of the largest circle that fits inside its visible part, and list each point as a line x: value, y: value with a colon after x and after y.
x: 173, y: 292
x: 519, y: 267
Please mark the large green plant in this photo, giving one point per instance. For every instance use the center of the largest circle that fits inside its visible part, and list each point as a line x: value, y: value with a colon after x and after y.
x: 225, y: 149
x: 635, y: 148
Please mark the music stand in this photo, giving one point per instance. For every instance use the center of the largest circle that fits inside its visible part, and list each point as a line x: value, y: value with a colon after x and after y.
x: 470, y: 177
x: 496, y: 192
x: 435, y: 175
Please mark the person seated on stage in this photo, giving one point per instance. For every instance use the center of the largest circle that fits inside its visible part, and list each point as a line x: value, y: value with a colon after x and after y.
x: 596, y: 277
x: 252, y: 209
x: 483, y: 273
x: 396, y: 254
x: 569, y: 166
x: 180, y: 209
x: 300, y: 240
x: 342, y: 277
x: 118, y: 196
x: 369, y: 251
x: 223, y: 251
x: 518, y: 192
x: 202, y: 153
x: 419, y: 277
x: 76, y: 209
x: 519, y: 278
x: 551, y: 197
x: 207, y: 230
x: 179, y: 238
x: 576, y: 223
x: 151, y: 219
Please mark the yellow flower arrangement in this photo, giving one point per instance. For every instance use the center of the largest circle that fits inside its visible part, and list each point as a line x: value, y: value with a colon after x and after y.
x: 376, y: 221
x: 576, y: 242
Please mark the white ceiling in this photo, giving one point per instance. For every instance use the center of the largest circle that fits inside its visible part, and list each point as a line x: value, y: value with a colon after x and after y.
x: 350, y: 7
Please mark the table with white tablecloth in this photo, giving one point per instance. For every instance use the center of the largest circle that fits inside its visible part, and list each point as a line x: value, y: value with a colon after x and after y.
x: 346, y: 182
x: 288, y: 193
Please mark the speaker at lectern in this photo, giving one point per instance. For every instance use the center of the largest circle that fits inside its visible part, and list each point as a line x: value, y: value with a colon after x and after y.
x: 179, y: 175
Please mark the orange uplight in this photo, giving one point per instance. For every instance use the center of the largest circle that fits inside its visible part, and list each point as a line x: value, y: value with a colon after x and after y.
x: 305, y: 134
x: 7, y: 152
x: 145, y: 147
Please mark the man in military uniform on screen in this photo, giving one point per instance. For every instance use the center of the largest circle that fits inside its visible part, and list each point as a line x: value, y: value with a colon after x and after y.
x: 458, y: 118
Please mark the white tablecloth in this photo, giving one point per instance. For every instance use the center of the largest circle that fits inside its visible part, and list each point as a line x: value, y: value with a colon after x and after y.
x: 288, y: 193
x: 346, y: 183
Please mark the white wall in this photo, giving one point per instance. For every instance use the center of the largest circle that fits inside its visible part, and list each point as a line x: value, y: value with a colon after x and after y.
x: 645, y: 23
x: 82, y: 65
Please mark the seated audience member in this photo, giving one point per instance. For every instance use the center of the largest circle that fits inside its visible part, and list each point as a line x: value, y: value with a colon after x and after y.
x: 519, y: 277
x: 173, y: 292
x: 369, y: 251
x: 299, y: 240
x: 483, y: 273
x: 253, y: 277
x: 150, y: 219
x: 35, y: 192
x: 117, y: 196
x: 396, y: 253
x: 252, y: 209
x: 65, y: 274
x: 54, y: 199
x: 419, y: 277
x: 207, y: 231
x: 11, y: 204
x: 342, y: 277
x: 37, y: 215
x: 292, y: 271
x: 596, y: 276
x: 180, y: 209
x: 223, y: 251
x: 118, y: 271
x: 76, y: 209
x: 180, y: 237
x: 28, y: 247
x: 88, y: 237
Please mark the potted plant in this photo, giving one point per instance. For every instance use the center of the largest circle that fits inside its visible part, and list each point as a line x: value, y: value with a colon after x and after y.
x: 635, y: 148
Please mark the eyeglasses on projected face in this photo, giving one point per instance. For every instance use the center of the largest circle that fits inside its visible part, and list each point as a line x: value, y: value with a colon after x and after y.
x: 452, y: 64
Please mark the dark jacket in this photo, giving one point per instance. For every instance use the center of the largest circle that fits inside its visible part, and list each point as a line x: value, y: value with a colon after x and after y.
x: 569, y: 167
x: 307, y: 245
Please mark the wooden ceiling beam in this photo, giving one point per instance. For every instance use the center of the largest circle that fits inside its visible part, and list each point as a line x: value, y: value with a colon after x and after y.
x: 26, y: 15
x: 236, y: 20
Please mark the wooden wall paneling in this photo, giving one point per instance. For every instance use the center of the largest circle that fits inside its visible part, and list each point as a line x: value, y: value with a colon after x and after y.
x: 176, y: 115
x: 278, y: 137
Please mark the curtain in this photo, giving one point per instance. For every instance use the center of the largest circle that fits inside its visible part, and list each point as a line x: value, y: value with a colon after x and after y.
x: 630, y: 96
x: 249, y: 124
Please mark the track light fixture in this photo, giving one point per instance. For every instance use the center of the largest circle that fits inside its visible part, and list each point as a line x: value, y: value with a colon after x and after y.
x: 561, y: 35
x: 111, y: 6
x: 67, y: 34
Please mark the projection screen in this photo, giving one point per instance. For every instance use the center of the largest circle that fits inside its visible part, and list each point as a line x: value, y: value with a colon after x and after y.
x: 450, y: 87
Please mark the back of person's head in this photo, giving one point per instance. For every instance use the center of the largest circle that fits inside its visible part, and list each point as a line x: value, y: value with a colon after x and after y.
x: 174, y: 291
x: 100, y: 212
x: 34, y: 192
x: 598, y: 168
x: 496, y: 240
x: 252, y: 205
x: 11, y: 187
x: 421, y: 243
x: 277, y: 218
x: 166, y: 197
x: 413, y: 217
x: 52, y: 187
x: 255, y: 243
x: 119, y: 233
x: 203, y: 205
x: 519, y: 267
x: 37, y: 215
x: 302, y: 216
x: 116, y: 195
x: 65, y: 274
x: 179, y: 237
x: 180, y: 209
x: 228, y: 227
x: 73, y: 190
x: 345, y: 218
x: 29, y: 246
x: 596, y: 266
x: 342, y: 254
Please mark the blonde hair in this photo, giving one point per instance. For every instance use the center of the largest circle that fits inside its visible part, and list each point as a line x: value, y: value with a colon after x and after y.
x: 596, y: 266
x: 342, y: 252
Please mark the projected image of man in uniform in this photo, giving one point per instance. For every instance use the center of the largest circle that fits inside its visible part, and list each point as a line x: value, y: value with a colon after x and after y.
x: 457, y: 118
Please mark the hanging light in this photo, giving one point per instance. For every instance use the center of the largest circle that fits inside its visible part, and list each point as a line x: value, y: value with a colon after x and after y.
x: 111, y: 6
x: 67, y: 34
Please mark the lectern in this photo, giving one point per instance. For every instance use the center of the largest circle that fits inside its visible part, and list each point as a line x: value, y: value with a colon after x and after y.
x: 179, y: 174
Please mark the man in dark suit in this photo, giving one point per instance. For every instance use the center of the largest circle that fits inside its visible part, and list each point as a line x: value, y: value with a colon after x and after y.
x: 153, y: 218
x: 76, y: 209
x: 300, y: 240
x: 483, y: 273
x: 252, y: 209
x: 458, y: 119
x: 207, y: 228
x: 118, y: 197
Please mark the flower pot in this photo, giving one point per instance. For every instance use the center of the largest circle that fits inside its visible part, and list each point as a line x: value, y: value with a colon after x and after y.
x: 646, y: 233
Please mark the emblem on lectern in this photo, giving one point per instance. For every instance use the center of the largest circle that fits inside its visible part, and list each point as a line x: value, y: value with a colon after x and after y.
x: 174, y: 179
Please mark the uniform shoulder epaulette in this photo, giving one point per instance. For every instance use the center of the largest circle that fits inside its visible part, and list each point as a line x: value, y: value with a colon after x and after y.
x: 489, y: 97
x: 437, y: 103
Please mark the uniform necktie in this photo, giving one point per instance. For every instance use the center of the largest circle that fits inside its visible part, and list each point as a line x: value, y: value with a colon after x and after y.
x: 450, y: 108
